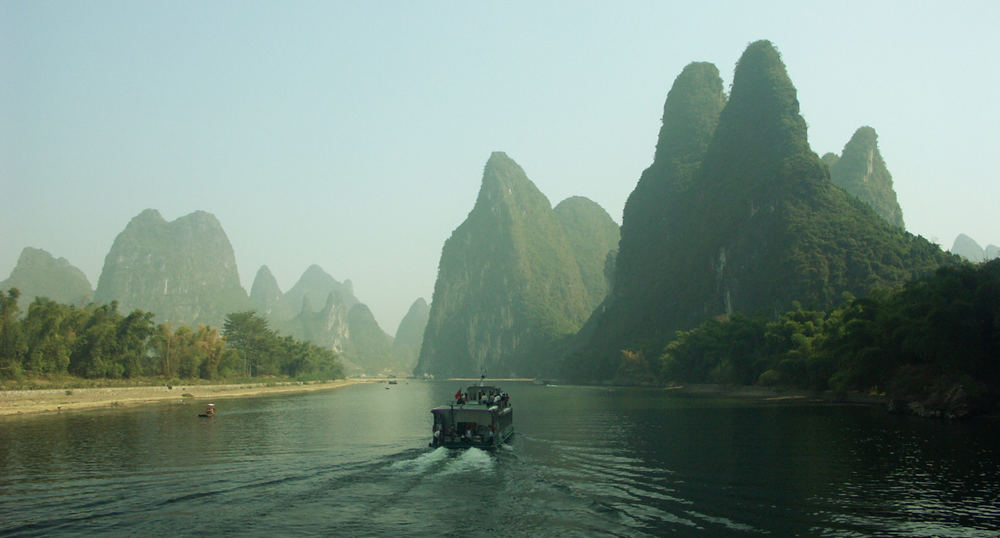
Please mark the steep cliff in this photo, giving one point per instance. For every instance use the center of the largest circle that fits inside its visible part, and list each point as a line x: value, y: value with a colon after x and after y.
x: 183, y: 271
x: 641, y: 289
x: 861, y: 171
x: 508, y: 284
x: 410, y: 334
x: 38, y: 274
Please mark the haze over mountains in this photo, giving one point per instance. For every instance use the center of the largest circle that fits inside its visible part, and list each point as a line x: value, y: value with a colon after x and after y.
x: 736, y: 214
x: 969, y: 249
x: 38, y: 274
x: 184, y: 271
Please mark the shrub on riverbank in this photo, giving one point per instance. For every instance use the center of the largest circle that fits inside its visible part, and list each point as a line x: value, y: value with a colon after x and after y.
x: 72, y: 347
x: 934, y: 343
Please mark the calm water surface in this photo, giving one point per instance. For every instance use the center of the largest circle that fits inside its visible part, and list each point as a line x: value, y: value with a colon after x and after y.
x: 585, y: 461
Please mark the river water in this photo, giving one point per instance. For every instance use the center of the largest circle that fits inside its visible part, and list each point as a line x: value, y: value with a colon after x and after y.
x: 585, y: 461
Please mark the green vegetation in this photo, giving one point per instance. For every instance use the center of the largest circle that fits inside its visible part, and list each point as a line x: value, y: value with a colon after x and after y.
x: 508, y: 284
x: 748, y: 222
x: 930, y: 337
x: 592, y: 236
x: 57, y: 341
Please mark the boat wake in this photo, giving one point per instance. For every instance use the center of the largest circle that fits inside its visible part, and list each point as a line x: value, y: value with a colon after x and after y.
x: 443, y: 462
x: 421, y: 463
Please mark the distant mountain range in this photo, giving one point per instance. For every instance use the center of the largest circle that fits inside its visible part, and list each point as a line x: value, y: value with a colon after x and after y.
x: 735, y: 214
x: 185, y: 272
x: 38, y: 274
x: 969, y: 249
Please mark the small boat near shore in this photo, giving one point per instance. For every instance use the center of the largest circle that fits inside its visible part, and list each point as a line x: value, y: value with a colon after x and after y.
x: 481, y: 417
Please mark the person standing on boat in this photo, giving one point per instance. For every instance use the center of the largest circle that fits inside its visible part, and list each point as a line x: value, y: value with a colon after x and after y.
x: 458, y: 396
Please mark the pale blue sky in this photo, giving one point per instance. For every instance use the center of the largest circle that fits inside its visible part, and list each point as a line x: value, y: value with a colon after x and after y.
x: 353, y: 134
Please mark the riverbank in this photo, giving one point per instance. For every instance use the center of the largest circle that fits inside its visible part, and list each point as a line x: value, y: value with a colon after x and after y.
x: 773, y: 394
x: 27, y: 402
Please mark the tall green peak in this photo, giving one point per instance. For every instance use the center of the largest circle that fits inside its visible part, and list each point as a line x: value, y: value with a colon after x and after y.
x: 183, y: 271
x: 39, y: 274
x: 690, y: 114
x: 508, y: 284
x: 690, y: 117
x: 759, y: 226
x: 862, y: 172
x: 762, y: 114
x: 649, y: 231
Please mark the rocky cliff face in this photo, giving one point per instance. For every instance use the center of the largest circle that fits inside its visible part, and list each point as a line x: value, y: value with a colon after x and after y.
x: 324, y: 311
x: 861, y: 171
x: 410, y: 334
x: 508, y: 284
x: 38, y: 274
x: 183, y: 271
x: 758, y: 225
x: 328, y: 327
x: 641, y: 291
x: 312, y: 290
x: 592, y: 236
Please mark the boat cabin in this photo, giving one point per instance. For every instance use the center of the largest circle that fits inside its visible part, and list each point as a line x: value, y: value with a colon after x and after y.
x: 482, y: 418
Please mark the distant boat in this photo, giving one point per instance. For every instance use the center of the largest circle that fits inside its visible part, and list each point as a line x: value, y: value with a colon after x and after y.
x: 209, y: 412
x: 482, y: 417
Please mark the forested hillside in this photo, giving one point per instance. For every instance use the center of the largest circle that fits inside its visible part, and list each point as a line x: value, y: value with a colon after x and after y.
x: 758, y: 226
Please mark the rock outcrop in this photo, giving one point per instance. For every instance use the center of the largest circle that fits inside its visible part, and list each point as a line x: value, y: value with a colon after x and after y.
x: 508, y: 286
x: 861, y: 171
x: 750, y: 222
x: 183, y: 271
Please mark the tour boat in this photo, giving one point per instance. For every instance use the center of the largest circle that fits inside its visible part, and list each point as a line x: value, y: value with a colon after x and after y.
x: 481, y: 417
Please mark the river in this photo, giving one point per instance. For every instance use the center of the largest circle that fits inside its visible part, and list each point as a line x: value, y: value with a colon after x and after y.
x: 585, y: 461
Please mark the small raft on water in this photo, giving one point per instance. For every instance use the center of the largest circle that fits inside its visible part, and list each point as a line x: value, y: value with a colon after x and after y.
x: 209, y: 412
x: 482, y: 417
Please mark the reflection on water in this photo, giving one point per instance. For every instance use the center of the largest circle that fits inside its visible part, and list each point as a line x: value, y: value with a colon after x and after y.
x: 584, y: 461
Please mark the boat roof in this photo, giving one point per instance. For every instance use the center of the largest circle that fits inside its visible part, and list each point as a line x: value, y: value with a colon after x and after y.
x: 474, y: 407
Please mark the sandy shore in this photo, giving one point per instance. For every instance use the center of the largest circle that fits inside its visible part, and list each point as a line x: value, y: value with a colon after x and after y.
x: 24, y: 402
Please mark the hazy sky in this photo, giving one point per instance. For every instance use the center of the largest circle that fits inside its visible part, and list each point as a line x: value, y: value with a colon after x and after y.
x: 353, y: 134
